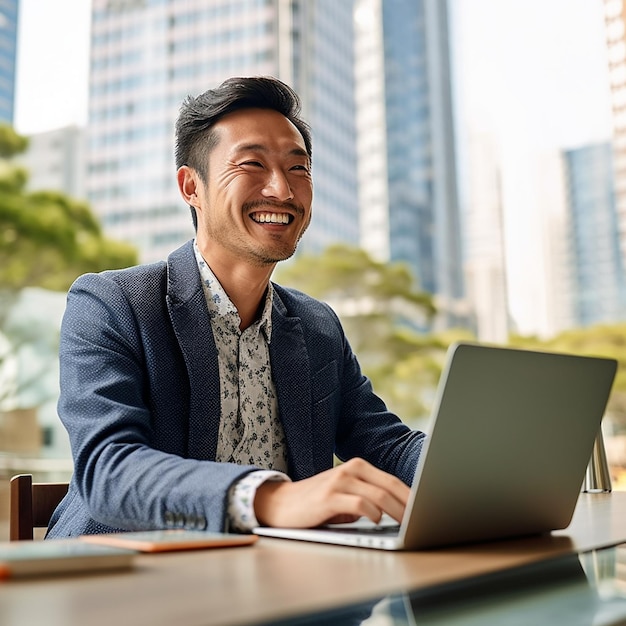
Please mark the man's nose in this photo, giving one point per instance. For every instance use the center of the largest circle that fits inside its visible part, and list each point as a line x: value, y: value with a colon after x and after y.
x: 277, y: 186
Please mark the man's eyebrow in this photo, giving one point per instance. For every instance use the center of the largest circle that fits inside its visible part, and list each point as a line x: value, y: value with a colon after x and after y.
x: 259, y: 147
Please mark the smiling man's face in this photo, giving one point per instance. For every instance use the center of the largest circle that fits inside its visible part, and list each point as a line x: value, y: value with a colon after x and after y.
x: 256, y: 203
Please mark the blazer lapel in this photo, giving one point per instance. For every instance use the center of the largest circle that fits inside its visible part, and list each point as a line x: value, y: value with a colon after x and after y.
x: 292, y: 378
x: 192, y: 326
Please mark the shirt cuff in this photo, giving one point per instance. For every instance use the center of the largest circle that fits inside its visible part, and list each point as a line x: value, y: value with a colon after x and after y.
x: 240, y: 512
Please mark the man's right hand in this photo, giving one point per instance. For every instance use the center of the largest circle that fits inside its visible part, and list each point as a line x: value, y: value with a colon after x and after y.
x: 341, y: 494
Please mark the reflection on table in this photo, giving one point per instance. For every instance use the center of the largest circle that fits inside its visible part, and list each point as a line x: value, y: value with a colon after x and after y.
x: 574, y: 590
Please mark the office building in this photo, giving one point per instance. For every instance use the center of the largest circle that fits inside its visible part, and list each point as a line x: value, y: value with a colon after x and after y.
x: 615, y: 20
x: 8, y: 50
x: 485, y: 264
x: 597, y: 264
x: 56, y: 160
x: 407, y: 163
x: 553, y: 301
x: 148, y: 55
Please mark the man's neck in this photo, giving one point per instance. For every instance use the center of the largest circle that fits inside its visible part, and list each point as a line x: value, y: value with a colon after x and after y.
x: 244, y: 284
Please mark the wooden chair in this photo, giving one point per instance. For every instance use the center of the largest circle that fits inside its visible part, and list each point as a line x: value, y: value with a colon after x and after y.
x: 32, y: 505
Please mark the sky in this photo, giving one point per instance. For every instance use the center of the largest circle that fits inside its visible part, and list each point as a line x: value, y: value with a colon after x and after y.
x: 534, y: 70
x: 52, y: 64
x: 531, y: 73
x: 528, y: 66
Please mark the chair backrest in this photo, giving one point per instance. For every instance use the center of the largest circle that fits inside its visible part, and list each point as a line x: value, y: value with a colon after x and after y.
x: 32, y: 505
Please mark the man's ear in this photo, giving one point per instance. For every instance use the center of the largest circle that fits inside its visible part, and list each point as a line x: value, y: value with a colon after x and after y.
x: 188, y: 183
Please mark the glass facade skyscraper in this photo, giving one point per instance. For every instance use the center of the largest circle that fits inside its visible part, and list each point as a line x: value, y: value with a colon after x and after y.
x: 407, y: 172
x: 8, y: 52
x: 148, y: 55
x: 598, y: 279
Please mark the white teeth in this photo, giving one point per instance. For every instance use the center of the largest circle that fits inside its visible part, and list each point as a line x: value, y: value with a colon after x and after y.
x: 271, y: 218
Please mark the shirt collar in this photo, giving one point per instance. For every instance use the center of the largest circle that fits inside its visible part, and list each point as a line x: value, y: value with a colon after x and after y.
x: 220, y: 305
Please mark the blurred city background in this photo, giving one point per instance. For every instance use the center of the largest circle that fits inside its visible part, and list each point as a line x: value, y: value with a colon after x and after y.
x: 469, y: 161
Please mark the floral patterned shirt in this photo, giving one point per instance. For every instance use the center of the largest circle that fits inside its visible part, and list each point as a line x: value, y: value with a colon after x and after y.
x: 250, y: 431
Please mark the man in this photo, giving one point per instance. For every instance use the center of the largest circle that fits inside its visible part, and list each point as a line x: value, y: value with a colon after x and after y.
x: 197, y: 393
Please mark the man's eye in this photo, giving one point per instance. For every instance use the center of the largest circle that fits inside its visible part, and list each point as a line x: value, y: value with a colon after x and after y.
x: 302, y: 168
x: 252, y: 163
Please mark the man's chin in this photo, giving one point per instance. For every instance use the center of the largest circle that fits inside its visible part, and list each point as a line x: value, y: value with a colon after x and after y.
x: 277, y: 251
x: 274, y: 257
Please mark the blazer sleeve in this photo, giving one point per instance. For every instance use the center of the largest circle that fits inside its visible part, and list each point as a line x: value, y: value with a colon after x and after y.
x: 347, y: 418
x: 130, y: 470
x: 366, y: 428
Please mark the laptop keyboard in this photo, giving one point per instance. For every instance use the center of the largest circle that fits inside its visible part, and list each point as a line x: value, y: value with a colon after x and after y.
x: 377, y: 530
x: 386, y: 529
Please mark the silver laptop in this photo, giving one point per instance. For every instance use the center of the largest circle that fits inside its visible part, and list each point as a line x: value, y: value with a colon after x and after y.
x: 509, y: 441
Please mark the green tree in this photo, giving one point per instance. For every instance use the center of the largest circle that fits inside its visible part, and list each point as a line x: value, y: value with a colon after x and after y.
x: 47, y: 239
x: 386, y: 320
x: 384, y: 315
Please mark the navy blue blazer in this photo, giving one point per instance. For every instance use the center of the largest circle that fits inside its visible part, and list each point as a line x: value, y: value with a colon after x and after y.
x: 140, y: 399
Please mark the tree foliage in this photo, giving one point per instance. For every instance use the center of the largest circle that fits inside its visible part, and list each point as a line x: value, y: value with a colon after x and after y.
x: 10, y: 142
x: 47, y: 238
x: 382, y: 312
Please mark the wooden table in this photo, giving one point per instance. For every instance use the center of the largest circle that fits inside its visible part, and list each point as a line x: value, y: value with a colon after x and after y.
x: 279, y: 578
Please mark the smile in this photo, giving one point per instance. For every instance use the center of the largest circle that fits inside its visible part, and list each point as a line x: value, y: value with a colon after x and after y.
x: 271, y: 218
